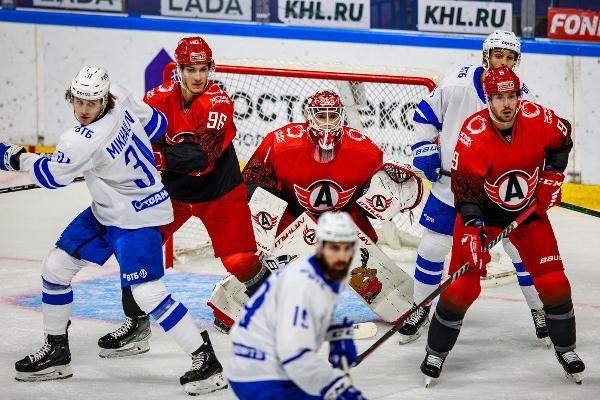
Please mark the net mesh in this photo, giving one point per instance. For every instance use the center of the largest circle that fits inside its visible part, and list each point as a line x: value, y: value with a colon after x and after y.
x: 379, y: 102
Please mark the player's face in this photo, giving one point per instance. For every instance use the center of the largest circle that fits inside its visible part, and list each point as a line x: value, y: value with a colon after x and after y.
x: 502, y: 58
x: 195, y: 77
x: 86, y: 111
x: 337, y: 257
x: 504, y: 106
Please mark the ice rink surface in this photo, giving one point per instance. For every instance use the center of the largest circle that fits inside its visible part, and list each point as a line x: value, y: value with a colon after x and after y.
x: 497, y: 355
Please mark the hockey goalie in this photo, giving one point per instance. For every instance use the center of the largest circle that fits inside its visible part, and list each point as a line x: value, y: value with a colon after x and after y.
x: 304, y: 169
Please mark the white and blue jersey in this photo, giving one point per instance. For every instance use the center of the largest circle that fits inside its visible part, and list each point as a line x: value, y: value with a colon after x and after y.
x: 115, y: 156
x: 283, y: 325
x: 439, y: 116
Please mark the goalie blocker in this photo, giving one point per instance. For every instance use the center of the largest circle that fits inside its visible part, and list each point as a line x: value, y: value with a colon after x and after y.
x: 382, y: 285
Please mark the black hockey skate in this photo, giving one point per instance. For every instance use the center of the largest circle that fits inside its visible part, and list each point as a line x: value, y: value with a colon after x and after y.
x: 129, y: 339
x: 48, y: 363
x: 206, y: 374
x: 221, y: 326
x: 431, y: 367
x: 415, y: 324
x: 572, y: 365
x: 541, y: 329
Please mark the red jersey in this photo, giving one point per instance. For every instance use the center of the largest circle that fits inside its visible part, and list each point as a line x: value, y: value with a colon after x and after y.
x: 201, y: 163
x: 499, y: 174
x: 283, y: 163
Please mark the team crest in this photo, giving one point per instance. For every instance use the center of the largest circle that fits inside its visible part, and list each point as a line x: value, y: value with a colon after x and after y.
x: 324, y: 195
x: 265, y: 220
x: 379, y: 202
x: 476, y: 125
x: 309, y: 236
x: 512, y: 190
x: 364, y: 280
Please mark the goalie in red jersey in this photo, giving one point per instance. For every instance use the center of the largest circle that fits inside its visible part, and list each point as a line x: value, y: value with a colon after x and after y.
x: 506, y: 157
x: 318, y: 165
x: 201, y: 174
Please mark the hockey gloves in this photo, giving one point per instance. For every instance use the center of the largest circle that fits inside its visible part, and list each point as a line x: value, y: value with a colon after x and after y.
x: 341, y: 343
x: 341, y: 389
x: 548, y: 193
x: 427, y: 159
x: 472, y: 241
x: 8, y: 159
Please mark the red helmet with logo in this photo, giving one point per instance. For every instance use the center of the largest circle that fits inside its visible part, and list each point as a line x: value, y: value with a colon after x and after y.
x: 193, y: 50
x: 501, y: 80
x: 324, y: 113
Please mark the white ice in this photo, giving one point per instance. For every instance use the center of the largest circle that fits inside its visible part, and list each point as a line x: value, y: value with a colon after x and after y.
x: 496, y: 357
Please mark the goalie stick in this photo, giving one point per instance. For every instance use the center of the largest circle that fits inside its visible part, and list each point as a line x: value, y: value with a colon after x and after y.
x: 518, y: 221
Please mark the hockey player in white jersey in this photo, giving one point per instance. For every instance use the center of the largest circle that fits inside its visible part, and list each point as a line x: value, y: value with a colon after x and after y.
x: 111, y: 148
x: 438, y: 120
x: 286, y: 321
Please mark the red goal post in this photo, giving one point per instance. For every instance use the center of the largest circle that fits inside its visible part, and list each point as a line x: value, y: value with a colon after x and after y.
x: 267, y: 94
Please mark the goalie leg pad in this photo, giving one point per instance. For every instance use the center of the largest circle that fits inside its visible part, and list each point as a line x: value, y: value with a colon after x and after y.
x: 227, y: 299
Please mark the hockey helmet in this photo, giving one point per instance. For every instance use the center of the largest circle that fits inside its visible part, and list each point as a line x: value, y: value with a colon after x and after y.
x: 501, y: 40
x: 325, y: 115
x: 193, y: 50
x: 91, y: 83
x: 501, y: 80
x: 336, y: 227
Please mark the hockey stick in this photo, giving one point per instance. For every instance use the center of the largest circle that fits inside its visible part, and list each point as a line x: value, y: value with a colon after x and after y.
x: 518, y: 221
x: 568, y: 206
x: 30, y: 186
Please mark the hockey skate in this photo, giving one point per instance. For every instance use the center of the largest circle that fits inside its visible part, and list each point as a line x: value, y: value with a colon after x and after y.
x: 541, y: 329
x: 415, y: 324
x: 431, y: 367
x: 572, y: 365
x: 221, y: 326
x: 48, y: 363
x: 206, y: 374
x: 129, y: 339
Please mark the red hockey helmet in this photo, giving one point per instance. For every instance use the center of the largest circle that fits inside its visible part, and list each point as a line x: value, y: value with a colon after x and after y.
x: 501, y: 80
x: 193, y: 50
x: 324, y: 113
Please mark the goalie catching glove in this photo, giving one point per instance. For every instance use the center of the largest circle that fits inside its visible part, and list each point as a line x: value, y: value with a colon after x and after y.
x: 393, y: 189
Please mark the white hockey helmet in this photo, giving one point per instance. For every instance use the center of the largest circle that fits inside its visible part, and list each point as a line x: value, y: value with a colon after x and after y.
x: 91, y: 83
x: 501, y: 40
x: 336, y: 227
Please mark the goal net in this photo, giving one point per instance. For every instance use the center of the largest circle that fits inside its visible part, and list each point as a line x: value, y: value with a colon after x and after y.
x: 379, y: 101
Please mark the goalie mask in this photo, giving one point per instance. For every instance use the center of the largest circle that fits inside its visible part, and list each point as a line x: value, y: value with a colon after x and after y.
x: 504, y: 40
x: 324, y: 113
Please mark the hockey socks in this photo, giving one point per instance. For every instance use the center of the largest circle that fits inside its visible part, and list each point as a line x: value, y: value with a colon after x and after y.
x: 57, y: 302
x: 561, y: 326
x: 176, y: 321
x: 443, y: 331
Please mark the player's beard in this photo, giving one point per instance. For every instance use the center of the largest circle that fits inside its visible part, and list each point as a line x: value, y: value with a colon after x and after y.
x: 337, y: 272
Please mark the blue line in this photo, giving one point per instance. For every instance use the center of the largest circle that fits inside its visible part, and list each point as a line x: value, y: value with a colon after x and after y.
x: 529, y: 46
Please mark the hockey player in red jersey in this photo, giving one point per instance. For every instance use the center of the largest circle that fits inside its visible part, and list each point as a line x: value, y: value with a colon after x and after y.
x: 506, y: 157
x: 201, y: 173
x: 318, y: 165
